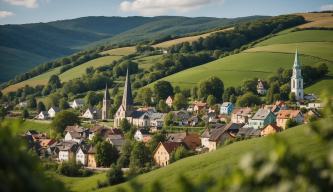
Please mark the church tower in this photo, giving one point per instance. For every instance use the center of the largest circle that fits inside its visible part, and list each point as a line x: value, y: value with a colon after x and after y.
x: 127, y: 101
x: 297, y: 79
x: 106, y: 104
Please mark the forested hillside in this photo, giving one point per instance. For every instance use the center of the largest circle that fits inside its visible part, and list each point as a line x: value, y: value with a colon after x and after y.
x: 25, y: 46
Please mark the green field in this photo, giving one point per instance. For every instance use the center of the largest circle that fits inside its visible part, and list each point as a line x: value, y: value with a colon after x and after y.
x: 211, y: 164
x: 120, y: 51
x: 40, y: 126
x: 315, y: 46
x: 300, y: 36
x: 80, y: 70
x: 146, y: 62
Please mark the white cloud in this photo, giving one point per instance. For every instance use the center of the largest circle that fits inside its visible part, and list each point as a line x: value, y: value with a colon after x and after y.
x: 4, y: 14
x: 327, y: 7
x: 157, y: 7
x: 25, y: 3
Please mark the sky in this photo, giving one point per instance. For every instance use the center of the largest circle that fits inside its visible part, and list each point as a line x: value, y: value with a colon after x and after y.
x: 33, y: 11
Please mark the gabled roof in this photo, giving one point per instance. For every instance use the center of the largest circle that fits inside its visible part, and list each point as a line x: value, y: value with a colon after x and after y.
x: 242, y: 111
x: 248, y: 132
x: 106, y: 93
x: 75, y: 128
x: 234, y: 126
x: 274, y: 126
x: 176, y: 137
x: 261, y: 114
x: 192, y: 141
x: 79, y: 101
x: 287, y: 114
x: 170, y: 146
x: 75, y: 135
x: 226, y: 104
x: 55, y: 109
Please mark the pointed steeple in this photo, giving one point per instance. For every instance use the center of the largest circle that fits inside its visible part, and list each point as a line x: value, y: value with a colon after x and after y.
x: 106, y: 93
x: 127, y: 101
x: 297, y: 63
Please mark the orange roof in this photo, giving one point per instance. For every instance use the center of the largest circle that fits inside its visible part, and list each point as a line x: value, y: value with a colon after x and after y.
x: 192, y: 141
x: 287, y: 114
x: 274, y: 126
x: 46, y: 142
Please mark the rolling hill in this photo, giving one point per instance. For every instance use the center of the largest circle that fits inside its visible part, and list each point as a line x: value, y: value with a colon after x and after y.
x: 210, y: 164
x: 25, y: 46
x: 265, y: 58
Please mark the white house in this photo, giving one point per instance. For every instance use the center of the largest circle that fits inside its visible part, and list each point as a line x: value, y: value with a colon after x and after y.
x: 67, y: 151
x: 91, y: 113
x: 42, y: 115
x: 52, y: 111
x: 169, y: 101
x: 82, y: 156
x: 73, y: 136
x: 77, y: 103
x: 140, y: 134
x: 314, y: 106
x: 226, y: 108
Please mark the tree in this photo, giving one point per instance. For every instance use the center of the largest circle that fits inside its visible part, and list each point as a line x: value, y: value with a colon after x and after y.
x: 179, y: 101
x: 125, y: 155
x: 22, y: 171
x: 162, y: 106
x: 140, y: 156
x: 228, y: 92
x: 63, y: 104
x: 291, y: 123
x: 194, y: 92
x: 92, y: 99
x: 211, y: 100
x: 25, y: 114
x: 144, y: 96
x: 115, y: 175
x: 178, y: 154
x: 250, y: 86
x: 106, y: 154
x: 272, y: 91
x: 54, y: 82
x: 155, y: 140
x: 292, y: 97
x: 64, y: 119
x: 163, y: 89
x: 3, y: 112
x: 211, y: 86
x: 125, y: 125
x: 168, y: 119
x: 248, y: 100
x: 41, y: 106
x: 32, y: 103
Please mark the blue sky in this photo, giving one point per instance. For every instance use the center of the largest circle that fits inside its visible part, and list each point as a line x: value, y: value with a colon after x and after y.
x: 28, y: 11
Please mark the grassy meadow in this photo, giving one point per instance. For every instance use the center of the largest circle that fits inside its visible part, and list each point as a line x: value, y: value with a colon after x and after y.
x: 146, y: 62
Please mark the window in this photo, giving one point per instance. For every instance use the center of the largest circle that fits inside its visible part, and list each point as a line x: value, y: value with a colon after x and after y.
x: 293, y: 84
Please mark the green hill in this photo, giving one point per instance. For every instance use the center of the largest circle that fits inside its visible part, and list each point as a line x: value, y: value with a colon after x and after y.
x: 210, y: 164
x: 262, y: 61
x: 32, y: 44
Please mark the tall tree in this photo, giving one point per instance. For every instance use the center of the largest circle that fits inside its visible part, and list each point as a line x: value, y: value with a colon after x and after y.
x: 106, y: 154
x: 41, y: 106
x: 211, y: 86
x: 144, y: 96
x: 179, y: 101
x: 163, y: 89
x: 140, y: 156
x: 54, y: 81
x: 63, y: 119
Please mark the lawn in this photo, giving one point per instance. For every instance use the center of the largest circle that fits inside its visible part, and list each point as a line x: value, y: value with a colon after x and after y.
x: 300, y: 36
x: 236, y: 68
x: 40, y: 126
x: 80, y: 70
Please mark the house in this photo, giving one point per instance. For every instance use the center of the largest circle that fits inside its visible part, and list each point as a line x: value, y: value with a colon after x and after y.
x: 91, y: 157
x: 176, y: 137
x: 169, y: 101
x: 46, y: 143
x: 43, y: 115
x: 79, y: 132
x: 193, y: 121
x: 73, y: 136
x: 248, y: 132
x: 198, y: 106
x: 103, y: 132
x: 52, y: 111
x: 141, y: 134
x: 117, y: 140
x: 156, y: 119
x: 284, y: 115
x: 192, y: 141
x: 226, y: 108
x: 77, y: 103
x: 275, y: 108
x: 23, y: 104
x: 212, y: 138
x: 67, y: 150
x: 241, y: 115
x: 262, y: 118
x: 270, y: 129
x: 181, y: 117
x: 82, y: 155
x: 163, y: 152
x: 310, y: 97
x: 92, y: 113
x: 223, y: 118
x: 261, y: 90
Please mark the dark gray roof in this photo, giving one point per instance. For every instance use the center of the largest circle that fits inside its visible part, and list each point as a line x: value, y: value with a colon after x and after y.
x: 127, y: 101
x: 248, y: 132
x: 135, y: 114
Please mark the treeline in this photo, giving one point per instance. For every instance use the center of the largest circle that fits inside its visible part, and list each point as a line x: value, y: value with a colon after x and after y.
x: 242, y: 34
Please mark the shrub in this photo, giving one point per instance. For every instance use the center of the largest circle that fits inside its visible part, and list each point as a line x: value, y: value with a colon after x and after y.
x: 115, y: 175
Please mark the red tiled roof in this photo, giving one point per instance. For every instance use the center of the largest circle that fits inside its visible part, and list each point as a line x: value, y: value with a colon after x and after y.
x: 286, y: 114
x: 171, y: 146
x: 192, y: 141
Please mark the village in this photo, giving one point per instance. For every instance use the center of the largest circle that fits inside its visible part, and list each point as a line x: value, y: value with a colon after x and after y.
x: 200, y: 128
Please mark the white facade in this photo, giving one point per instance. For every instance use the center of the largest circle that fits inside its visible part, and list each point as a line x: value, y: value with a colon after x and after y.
x: 138, y: 136
x: 297, y: 79
x: 81, y: 157
x: 77, y: 103
x: 69, y: 137
x: 63, y: 156
x: 52, y: 112
x: 42, y: 115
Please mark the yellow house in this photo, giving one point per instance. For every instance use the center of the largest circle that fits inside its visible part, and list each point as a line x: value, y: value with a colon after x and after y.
x: 91, y: 157
x: 163, y: 152
x: 270, y: 129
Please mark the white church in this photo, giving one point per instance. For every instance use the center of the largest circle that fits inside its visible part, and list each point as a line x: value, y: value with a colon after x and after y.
x: 297, y: 79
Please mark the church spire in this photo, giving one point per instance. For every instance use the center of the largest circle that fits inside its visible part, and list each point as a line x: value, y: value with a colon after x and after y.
x: 106, y: 93
x: 127, y: 101
x: 297, y: 63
